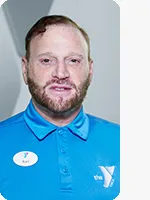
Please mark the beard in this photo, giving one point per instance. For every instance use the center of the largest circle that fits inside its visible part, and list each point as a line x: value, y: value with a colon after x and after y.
x: 59, y: 106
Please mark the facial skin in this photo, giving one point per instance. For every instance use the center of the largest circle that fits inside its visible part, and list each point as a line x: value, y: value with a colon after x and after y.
x: 58, y: 73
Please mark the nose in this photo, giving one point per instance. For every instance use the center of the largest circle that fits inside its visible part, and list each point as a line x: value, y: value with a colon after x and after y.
x: 60, y: 71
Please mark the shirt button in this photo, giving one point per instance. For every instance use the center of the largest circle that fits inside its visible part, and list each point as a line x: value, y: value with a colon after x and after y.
x: 65, y: 170
x: 63, y: 150
x: 60, y: 132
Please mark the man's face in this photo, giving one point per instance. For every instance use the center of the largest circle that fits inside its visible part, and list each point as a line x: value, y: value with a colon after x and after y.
x: 58, y: 72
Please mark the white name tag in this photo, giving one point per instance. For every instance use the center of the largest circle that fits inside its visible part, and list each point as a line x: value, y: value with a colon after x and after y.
x: 25, y: 158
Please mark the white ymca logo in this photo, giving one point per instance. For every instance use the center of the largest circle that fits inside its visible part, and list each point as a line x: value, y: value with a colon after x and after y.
x: 1, y: 197
x: 108, y: 175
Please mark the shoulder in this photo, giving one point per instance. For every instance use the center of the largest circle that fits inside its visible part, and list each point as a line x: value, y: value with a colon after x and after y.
x: 14, y: 120
x: 99, y: 122
x: 105, y: 136
x: 103, y: 130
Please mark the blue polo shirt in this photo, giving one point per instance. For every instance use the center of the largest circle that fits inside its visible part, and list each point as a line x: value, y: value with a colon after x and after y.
x: 41, y: 161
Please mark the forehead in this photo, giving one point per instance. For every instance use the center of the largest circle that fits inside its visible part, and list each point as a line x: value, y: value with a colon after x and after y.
x: 60, y: 35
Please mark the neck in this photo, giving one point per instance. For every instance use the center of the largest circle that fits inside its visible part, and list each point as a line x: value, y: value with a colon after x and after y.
x: 55, y: 118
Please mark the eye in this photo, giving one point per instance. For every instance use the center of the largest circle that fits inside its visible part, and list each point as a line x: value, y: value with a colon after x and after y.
x: 45, y: 60
x: 48, y: 61
x: 73, y: 61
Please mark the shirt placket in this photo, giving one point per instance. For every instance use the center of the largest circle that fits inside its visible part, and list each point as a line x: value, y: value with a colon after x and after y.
x: 64, y: 160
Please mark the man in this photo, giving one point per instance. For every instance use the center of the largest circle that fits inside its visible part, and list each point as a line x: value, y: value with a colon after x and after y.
x: 53, y: 149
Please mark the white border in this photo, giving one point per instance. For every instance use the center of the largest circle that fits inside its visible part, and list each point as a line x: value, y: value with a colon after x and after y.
x: 135, y: 99
x: 117, y: 1
x: 1, y: 2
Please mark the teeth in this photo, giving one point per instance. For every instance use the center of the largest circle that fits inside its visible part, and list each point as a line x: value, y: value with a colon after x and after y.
x: 59, y: 89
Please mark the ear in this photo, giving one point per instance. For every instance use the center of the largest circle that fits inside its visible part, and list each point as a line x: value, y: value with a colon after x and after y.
x: 91, y: 69
x: 24, y: 69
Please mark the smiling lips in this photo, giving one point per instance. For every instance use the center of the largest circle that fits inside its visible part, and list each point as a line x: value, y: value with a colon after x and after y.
x: 60, y: 88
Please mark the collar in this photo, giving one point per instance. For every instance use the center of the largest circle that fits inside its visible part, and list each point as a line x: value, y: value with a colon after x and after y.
x: 41, y: 127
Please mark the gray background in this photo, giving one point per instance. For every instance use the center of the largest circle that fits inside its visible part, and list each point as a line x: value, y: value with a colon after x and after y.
x: 100, y: 18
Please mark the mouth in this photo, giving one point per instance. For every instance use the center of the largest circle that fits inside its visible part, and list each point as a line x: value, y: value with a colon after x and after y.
x: 60, y: 89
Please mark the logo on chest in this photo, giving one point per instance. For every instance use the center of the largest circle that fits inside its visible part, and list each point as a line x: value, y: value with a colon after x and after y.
x: 107, y: 177
x: 25, y: 158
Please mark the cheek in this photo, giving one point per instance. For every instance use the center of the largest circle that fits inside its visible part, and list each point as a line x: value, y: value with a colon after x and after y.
x: 39, y: 76
x: 79, y: 75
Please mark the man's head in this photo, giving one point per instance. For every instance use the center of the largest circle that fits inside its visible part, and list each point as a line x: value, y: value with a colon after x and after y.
x: 40, y: 27
x: 57, y: 67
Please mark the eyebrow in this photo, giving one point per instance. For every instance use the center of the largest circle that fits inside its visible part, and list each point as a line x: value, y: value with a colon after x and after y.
x: 51, y: 54
x: 45, y: 54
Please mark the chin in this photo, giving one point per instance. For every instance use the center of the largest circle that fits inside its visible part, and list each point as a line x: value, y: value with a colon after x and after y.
x: 61, y: 99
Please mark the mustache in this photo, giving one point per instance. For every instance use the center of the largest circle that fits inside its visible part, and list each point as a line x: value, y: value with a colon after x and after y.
x: 60, y: 82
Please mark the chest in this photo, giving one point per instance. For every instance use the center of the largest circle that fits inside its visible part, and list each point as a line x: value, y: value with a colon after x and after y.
x: 58, y: 167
